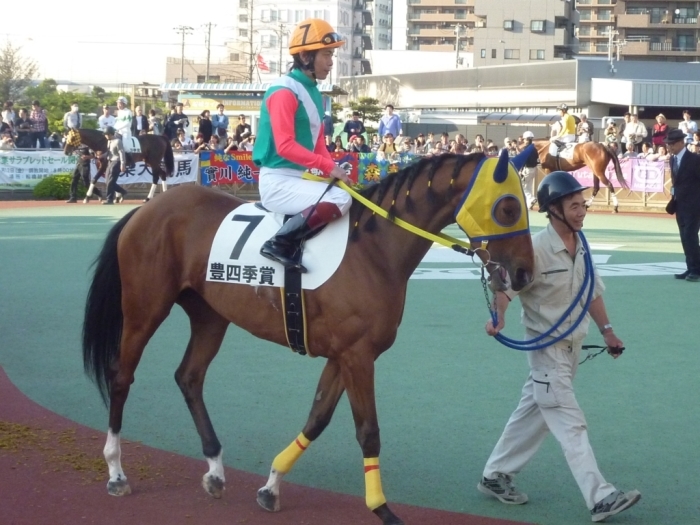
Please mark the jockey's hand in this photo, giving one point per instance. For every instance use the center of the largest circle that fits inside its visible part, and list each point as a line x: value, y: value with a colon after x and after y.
x: 339, y: 173
x: 493, y: 330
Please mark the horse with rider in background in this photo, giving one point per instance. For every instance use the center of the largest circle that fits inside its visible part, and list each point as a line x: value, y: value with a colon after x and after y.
x: 156, y: 152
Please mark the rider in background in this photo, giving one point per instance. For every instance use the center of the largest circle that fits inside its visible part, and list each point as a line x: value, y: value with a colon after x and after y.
x: 567, y: 133
x: 290, y: 141
x: 548, y: 403
x: 122, y: 124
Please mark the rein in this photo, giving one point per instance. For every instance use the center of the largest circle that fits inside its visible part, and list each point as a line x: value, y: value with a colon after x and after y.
x: 457, y: 245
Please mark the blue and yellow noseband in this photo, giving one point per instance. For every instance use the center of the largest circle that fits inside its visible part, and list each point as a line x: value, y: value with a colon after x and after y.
x: 495, y: 179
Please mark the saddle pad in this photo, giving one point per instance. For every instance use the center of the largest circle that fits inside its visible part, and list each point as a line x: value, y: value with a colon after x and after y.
x: 131, y: 145
x: 568, y: 151
x: 235, y: 253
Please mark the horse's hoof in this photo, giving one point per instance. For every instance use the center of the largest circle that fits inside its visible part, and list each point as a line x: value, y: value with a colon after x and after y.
x: 615, y: 210
x: 387, y: 517
x: 86, y: 200
x: 118, y: 488
x: 214, y: 486
x: 146, y: 199
x: 267, y: 500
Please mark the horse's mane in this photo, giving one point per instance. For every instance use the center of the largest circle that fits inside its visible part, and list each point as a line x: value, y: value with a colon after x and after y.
x: 427, y: 166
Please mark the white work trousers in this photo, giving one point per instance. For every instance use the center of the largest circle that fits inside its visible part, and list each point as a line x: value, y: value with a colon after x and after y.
x: 548, y: 404
x: 528, y: 178
x: 290, y: 195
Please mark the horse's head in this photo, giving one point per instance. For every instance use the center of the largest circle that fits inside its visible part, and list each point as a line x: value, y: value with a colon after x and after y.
x: 494, y: 215
x: 73, y: 141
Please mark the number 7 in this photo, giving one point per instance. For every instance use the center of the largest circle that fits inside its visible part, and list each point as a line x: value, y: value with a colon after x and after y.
x: 253, y: 221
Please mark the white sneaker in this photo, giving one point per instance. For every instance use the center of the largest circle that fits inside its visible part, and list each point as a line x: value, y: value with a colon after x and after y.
x: 502, y: 489
x: 614, y: 504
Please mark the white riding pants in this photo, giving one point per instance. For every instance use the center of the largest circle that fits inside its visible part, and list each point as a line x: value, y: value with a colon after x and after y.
x: 548, y: 404
x: 290, y: 194
x: 553, y: 148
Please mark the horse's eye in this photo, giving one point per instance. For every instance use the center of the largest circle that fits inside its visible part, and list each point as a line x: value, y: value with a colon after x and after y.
x: 506, y: 211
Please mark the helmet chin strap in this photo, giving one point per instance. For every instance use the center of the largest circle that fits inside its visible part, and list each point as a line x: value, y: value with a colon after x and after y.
x: 561, y: 219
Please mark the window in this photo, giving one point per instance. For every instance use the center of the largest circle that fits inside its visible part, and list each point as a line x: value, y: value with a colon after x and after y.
x: 318, y: 13
x: 269, y: 41
x: 585, y: 14
x: 299, y: 16
x: 493, y: 53
x: 604, y: 14
x: 243, y: 33
x: 274, y: 66
x: 537, y: 54
x: 508, y: 25
x: 212, y: 78
x: 243, y: 18
x: 538, y: 26
x: 234, y: 57
x: 601, y: 47
x: 243, y: 4
x: 511, y: 54
x: 584, y: 31
x: 483, y: 53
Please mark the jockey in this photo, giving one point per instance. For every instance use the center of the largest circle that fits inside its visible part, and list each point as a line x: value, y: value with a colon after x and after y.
x: 124, y: 118
x: 567, y: 133
x: 290, y: 141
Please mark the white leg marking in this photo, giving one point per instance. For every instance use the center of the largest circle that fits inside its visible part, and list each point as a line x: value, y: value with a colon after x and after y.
x: 153, y: 191
x: 273, y: 482
x: 216, y: 467
x: 164, y: 185
x: 614, y: 199
x: 113, y: 456
x: 89, y: 191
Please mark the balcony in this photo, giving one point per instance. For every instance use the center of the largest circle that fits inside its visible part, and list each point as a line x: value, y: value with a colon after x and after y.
x: 431, y: 33
x: 667, y: 49
x: 436, y: 47
x: 440, y: 17
x: 646, y: 21
x: 442, y: 3
x: 561, y: 37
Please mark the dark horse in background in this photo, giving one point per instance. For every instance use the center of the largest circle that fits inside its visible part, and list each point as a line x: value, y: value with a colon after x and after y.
x: 594, y: 155
x: 156, y: 256
x: 155, y: 150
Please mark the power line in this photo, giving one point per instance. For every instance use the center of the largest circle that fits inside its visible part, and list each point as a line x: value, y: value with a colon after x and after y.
x: 183, y: 30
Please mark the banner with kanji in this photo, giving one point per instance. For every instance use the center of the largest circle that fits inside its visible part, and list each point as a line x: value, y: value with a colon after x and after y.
x: 217, y: 168
x: 27, y: 168
x: 640, y: 174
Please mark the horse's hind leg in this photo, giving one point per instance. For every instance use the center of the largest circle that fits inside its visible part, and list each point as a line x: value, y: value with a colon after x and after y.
x: 328, y: 392
x: 596, y: 187
x: 208, y: 331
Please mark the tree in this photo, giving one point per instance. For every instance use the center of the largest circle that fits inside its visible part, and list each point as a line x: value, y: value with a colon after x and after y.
x: 336, y: 108
x: 16, y: 72
x: 368, y: 108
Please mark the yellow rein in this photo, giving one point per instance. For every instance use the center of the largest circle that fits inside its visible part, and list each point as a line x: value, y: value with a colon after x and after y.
x: 445, y: 240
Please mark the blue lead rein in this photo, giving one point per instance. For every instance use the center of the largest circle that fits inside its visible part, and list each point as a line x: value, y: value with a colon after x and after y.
x: 535, y: 344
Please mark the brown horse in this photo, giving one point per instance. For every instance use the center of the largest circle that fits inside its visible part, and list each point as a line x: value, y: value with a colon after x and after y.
x: 156, y: 256
x: 595, y: 155
x: 155, y: 149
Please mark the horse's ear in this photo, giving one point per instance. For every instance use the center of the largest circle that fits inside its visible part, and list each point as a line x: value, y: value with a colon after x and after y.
x: 521, y: 158
x: 500, y: 174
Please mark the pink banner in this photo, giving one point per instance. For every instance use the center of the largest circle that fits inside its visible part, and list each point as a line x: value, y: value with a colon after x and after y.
x: 640, y: 174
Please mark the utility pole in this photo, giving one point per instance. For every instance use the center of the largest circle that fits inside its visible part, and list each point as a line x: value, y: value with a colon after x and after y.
x: 207, y: 41
x: 458, y: 31
x: 281, y: 36
x: 183, y: 30
x: 252, y: 57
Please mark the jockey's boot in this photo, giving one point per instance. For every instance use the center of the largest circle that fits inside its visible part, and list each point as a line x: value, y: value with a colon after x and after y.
x: 560, y: 145
x: 285, y: 246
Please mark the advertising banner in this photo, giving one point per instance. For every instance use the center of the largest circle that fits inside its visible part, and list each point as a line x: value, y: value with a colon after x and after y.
x: 640, y: 174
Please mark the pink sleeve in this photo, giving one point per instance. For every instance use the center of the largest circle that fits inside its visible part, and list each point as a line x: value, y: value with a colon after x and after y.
x: 282, y: 106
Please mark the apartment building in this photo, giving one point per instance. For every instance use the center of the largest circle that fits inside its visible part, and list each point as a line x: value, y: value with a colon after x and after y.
x: 516, y: 32
x: 596, y: 20
x: 437, y: 25
x: 657, y: 30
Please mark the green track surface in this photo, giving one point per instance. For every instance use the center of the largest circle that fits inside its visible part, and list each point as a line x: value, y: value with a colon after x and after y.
x: 444, y: 391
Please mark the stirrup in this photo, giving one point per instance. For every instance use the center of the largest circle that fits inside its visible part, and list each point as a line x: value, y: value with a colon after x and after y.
x: 288, y: 262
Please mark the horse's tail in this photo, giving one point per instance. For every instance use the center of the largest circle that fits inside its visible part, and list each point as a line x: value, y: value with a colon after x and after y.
x: 169, y: 158
x: 618, y: 168
x: 102, y: 327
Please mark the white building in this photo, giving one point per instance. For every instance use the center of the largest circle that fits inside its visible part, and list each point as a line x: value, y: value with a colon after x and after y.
x: 273, y: 22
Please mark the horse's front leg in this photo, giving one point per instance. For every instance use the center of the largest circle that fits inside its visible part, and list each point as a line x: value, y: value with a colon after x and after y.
x: 328, y: 392
x: 358, y: 378
x: 613, y: 197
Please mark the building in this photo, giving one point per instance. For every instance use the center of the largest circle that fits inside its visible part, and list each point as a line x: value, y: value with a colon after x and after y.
x: 512, y: 32
x: 233, y: 67
x: 658, y: 30
x: 381, y: 31
x: 438, y: 25
x: 596, y: 20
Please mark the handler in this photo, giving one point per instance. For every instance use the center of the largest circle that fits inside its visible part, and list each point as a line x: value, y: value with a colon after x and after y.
x: 548, y: 403
x: 290, y: 141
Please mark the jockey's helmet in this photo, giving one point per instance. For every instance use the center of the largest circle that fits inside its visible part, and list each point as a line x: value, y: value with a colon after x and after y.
x: 554, y: 186
x: 564, y: 108
x: 528, y: 135
x: 314, y: 34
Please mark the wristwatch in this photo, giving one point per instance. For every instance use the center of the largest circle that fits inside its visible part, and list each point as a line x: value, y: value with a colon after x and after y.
x: 604, y: 328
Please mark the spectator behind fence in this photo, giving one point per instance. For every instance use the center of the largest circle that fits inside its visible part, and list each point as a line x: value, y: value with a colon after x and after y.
x: 214, y: 143
x: 23, y: 130
x: 205, y: 125
x: 390, y: 122
x: 687, y: 126
x: 659, y: 130
x: 354, y: 126
x: 139, y: 123
x: 40, y: 125
x: 106, y: 120
x: 219, y: 123
x: 154, y: 123
x: 8, y: 114
x: 243, y: 131
x: 73, y: 119
x: 584, y: 129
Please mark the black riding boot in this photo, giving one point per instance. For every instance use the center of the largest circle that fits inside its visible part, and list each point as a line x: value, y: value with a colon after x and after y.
x: 285, y: 246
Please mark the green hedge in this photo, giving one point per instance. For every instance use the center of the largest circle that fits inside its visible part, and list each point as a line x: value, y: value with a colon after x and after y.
x: 57, y: 187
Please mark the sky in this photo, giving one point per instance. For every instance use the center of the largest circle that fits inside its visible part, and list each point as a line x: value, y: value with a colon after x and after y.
x: 87, y: 42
